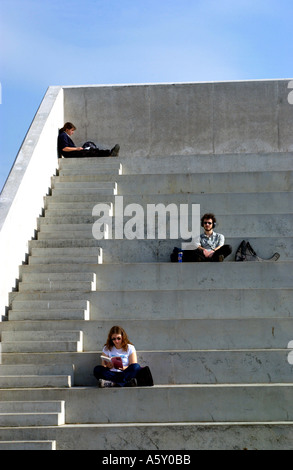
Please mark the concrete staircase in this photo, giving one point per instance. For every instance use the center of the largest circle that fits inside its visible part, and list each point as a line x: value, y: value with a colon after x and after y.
x: 214, y: 335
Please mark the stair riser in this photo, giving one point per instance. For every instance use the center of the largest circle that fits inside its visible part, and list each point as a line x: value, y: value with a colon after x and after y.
x: 223, y: 204
x: 36, y: 346
x: 28, y: 445
x: 219, y: 403
x: 200, y: 367
x: 47, y: 314
x: 184, y: 334
x: 31, y: 420
x: 155, y: 437
x: 31, y: 382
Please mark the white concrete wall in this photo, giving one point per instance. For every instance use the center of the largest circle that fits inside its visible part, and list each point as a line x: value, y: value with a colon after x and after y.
x: 184, y: 119
x: 21, y: 200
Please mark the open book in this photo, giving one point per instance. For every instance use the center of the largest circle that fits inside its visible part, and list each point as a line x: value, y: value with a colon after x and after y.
x: 116, y: 361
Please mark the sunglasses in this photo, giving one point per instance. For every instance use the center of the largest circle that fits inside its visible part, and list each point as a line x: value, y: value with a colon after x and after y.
x: 207, y: 223
x: 118, y: 338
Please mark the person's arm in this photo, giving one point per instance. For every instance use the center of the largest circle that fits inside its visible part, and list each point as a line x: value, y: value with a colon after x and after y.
x: 70, y: 149
x: 132, y: 358
x: 217, y: 247
x: 198, y: 243
x: 221, y: 242
x: 66, y: 143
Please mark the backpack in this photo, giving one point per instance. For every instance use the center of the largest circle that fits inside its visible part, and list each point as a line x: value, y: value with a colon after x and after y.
x: 89, y: 145
x: 144, y: 377
x: 245, y: 252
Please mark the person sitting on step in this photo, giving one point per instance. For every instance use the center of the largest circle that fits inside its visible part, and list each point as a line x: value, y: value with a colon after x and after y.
x: 210, y: 245
x: 68, y: 149
x: 118, y: 346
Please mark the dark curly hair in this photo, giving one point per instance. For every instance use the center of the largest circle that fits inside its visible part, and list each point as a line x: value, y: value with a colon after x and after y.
x: 209, y: 216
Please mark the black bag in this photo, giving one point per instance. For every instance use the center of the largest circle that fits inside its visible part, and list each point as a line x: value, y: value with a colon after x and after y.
x: 245, y: 252
x: 144, y: 377
x: 241, y: 252
x: 188, y: 256
x: 90, y: 145
x: 174, y: 255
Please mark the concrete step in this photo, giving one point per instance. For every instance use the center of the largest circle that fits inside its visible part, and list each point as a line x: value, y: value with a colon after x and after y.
x: 24, y: 310
x: 32, y: 413
x: 222, y: 203
x: 183, y: 436
x: 32, y: 406
x: 80, y: 184
x: 37, y: 368
x: 190, y: 183
x: 40, y: 346
x: 248, y: 223
x: 99, y: 190
x: 198, y: 163
x: 53, y: 276
x: 73, y: 257
x: 187, y: 183
x: 251, y: 366
x: 158, y: 250
x: 25, y: 335
x: 59, y: 268
x: 52, y: 314
x: 182, y: 334
x: 53, y: 285
x: 216, y: 366
x: 104, y: 167
x: 48, y: 296
x: 35, y: 381
x: 28, y: 445
x: 169, y: 304
x: 57, y: 281
x: 201, y: 334
x: 199, y: 403
x: 29, y: 419
x: 239, y: 302
x: 194, y: 276
x: 52, y: 304
x: 41, y: 341
x: 104, y: 174
x: 248, y: 226
x: 69, y: 251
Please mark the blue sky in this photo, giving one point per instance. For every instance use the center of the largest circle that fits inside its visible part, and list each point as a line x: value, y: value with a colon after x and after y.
x: 80, y: 42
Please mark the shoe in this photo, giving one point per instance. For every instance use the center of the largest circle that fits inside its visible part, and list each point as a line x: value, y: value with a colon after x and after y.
x: 131, y: 383
x: 115, y: 150
x: 221, y: 258
x: 105, y: 383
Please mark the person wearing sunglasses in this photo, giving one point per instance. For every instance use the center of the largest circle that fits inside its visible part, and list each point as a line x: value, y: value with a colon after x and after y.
x: 211, y: 245
x: 111, y: 374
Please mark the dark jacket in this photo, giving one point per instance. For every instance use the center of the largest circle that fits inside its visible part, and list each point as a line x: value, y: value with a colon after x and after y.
x: 64, y: 141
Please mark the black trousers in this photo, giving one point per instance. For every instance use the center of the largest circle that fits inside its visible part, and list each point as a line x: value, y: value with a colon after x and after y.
x: 87, y: 153
x: 191, y: 256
